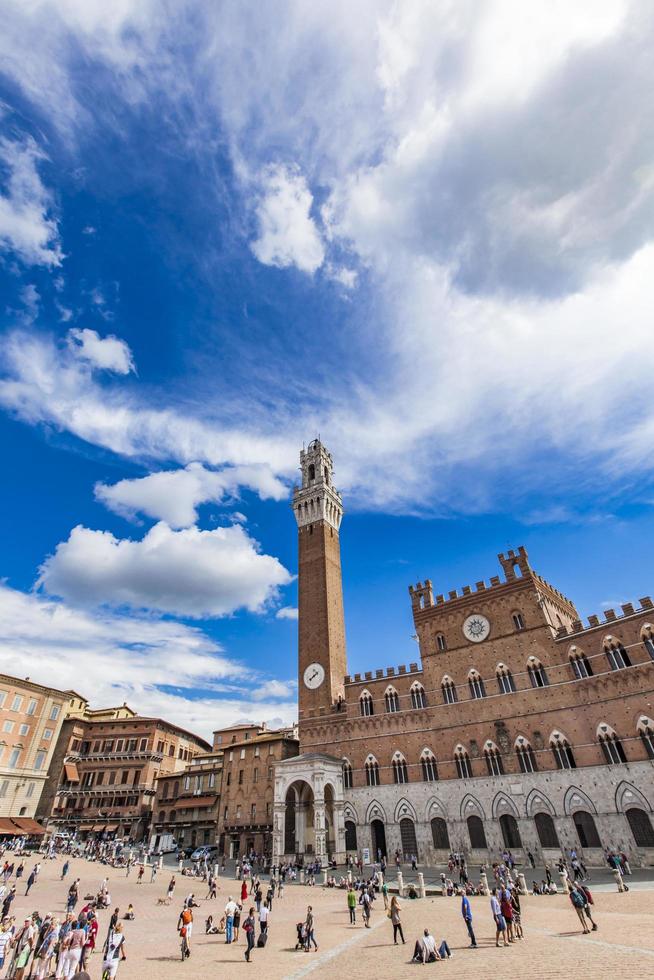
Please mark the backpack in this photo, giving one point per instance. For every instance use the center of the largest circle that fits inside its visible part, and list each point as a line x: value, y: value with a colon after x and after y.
x: 578, y: 900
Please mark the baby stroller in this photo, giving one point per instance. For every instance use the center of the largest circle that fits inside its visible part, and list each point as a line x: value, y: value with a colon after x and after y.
x: 301, y: 935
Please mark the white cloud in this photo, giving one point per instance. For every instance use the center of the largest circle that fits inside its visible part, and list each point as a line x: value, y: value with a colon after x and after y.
x: 173, y: 496
x: 287, y: 612
x: 193, y: 573
x: 275, y: 689
x: 287, y: 233
x: 27, y: 227
x: 107, y: 353
x: 46, y: 383
x: 157, y: 666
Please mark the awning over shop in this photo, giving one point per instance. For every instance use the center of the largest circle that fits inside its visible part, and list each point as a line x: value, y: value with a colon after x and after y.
x: 7, y: 827
x: 26, y: 825
x: 98, y: 827
x: 86, y: 826
x: 72, y: 775
x: 111, y: 827
x: 193, y: 801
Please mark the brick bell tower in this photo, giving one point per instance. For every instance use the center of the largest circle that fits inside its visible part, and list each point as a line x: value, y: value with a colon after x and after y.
x: 318, y: 509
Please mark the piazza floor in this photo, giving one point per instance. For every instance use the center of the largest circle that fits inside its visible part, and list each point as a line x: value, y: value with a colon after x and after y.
x: 554, y: 945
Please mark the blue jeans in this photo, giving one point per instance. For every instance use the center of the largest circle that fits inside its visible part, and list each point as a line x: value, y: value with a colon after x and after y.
x: 444, y: 949
x: 470, y: 931
x: 229, y: 928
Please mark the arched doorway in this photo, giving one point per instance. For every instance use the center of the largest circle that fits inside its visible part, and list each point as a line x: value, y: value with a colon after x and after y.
x: 546, y: 830
x: 408, y: 837
x: 378, y: 839
x: 641, y: 827
x: 510, y: 831
x: 477, y: 833
x: 439, y: 834
x: 350, y: 835
x: 299, y: 831
x: 586, y: 829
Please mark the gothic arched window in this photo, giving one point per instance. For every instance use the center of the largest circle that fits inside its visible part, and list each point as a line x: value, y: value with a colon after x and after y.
x: 493, y: 758
x: 448, y: 688
x: 400, y: 771
x: 372, y: 771
x: 526, y: 755
x: 536, y: 672
x: 505, y: 680
x: 366, y: 705
x: 392, y: 699
x: 476, y: 685
x: 518, y: 622
x: 645, y: 729
x: 611, y: 745
x: 616, y: 654
x: 441, y: 642
x: 580, y: 664
x: 647, y: 636
x: 429, y: 766
x: 562, y: 751
x: 347, y: 774
x: 418, y: 696
x: 462, y: 762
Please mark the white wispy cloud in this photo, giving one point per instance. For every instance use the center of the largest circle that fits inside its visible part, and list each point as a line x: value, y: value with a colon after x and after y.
x: 28, y: 228
x: 287, y: 233
x: 174, y: 495
x: 287, y: 612
x: 191, y: 573
x: 107, y: 353
x: 157, y: 666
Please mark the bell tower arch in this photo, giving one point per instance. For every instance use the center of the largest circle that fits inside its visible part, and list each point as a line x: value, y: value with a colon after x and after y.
x: 318, y: 509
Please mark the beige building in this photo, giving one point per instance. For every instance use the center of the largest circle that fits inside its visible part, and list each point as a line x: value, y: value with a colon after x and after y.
x: 31, y: 716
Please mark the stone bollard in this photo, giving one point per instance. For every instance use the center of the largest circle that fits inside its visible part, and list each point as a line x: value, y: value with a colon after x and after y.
x: 301, y: 876
x: 325, y: 876
x: 619, y: 880
x: 483, y: 883
x: 180, y: 866
x: 349, y: 877
x: 421, y: 885
x: 160, y: 862
x: 215, y: 870
x: 400, y: 884
x: 522, y: 884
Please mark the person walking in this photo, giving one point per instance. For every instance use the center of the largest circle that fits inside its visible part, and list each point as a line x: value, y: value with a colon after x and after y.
x: 248, y: 929
x: 498, y: 918
x: 352, y: 904
x: 309, y: 929
x: 396, y: 920
x: 65, y: 869
x: 585, y: 891
x: 171, y: 889
x: 466, y: 912
x: 73, y: 896
x: 264, y: 915
x: 139, y: 877
x: 384, y: 891
x: 114, y: 953
x: 244, y: 890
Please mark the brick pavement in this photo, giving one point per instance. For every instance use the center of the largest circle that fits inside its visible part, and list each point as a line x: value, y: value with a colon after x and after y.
x: 553, y: 947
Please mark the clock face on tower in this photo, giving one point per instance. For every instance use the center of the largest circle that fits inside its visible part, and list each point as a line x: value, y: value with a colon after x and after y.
x: 476, y: 628
x: 314, y: 675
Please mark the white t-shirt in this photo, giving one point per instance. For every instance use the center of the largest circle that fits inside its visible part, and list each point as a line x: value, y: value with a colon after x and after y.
x: 263, y: 914
x: 230, y: 908
x: 429, y: 944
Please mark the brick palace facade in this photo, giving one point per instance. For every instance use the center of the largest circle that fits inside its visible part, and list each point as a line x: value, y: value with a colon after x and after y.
x: 519, y: 727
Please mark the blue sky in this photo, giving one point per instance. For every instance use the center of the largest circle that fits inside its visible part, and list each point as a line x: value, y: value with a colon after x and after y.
x: 224, y: 229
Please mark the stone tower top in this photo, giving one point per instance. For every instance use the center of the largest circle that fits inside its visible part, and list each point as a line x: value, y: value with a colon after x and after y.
x: 316, y: 499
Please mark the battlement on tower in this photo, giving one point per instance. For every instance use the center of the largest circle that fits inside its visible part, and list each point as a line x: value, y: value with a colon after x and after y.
x: 516, y: 567
x: 382, y: 673
x: 610, y: 618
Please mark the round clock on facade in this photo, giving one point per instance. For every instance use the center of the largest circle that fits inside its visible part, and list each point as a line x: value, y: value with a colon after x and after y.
x: 476, y: 628
x: 314, y: 675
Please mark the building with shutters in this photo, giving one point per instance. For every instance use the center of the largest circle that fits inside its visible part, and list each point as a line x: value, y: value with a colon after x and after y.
x: 517, y: 726
x: 187, y: 804
x: 31, y: 716
x: 104, y: 772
